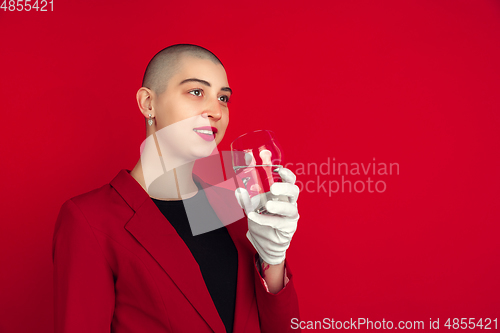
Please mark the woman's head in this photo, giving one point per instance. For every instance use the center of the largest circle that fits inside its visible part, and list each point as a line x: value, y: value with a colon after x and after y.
x: 185, y: 89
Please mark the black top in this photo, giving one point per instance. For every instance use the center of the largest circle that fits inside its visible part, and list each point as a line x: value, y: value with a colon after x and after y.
x: 214, y: 251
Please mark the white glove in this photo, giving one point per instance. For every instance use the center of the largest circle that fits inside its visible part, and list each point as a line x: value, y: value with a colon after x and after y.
x: 270, y: 235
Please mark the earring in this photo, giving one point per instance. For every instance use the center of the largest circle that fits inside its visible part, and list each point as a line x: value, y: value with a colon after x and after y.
x: 150, y: 121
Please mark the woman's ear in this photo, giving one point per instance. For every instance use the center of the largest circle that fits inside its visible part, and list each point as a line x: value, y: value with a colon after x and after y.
x: 144, y: 101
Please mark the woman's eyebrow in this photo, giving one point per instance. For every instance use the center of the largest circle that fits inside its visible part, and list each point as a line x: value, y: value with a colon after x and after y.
x: 206, y: 83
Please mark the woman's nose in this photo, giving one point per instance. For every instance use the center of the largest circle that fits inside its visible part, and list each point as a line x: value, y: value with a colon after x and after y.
x: 213, y: 110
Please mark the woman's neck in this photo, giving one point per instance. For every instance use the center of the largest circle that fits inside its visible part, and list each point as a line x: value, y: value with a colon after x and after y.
x: 174, y: 184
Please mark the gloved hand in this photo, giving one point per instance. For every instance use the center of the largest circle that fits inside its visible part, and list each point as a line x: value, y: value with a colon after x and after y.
x: 270, y: 235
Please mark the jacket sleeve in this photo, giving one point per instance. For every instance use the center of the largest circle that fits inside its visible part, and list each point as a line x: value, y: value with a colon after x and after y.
x: 83, y: 281
x: 276, y: 311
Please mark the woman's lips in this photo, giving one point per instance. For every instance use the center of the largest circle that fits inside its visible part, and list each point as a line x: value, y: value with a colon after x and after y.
x: 207, y: 133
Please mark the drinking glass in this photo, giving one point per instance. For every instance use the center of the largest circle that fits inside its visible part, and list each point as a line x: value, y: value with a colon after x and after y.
x: 257, y: 159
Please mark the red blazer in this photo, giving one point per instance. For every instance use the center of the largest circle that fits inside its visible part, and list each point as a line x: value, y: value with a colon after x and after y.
x: 119, y: 266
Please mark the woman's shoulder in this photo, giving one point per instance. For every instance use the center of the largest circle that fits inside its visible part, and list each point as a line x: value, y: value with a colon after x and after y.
x: 100, y: 205
x: 103, y: 196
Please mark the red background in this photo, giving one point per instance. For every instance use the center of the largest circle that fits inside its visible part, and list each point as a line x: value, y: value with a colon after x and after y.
x: 409, y: 82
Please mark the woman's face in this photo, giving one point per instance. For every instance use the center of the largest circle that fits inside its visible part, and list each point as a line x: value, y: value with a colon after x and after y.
x: 193, y: 106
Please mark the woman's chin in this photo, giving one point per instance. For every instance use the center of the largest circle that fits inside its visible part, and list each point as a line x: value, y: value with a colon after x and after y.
x: 203, y: 151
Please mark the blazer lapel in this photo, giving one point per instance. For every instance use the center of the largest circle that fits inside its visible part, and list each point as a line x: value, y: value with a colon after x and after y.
x: 224, y: 203
x: 150, y: 228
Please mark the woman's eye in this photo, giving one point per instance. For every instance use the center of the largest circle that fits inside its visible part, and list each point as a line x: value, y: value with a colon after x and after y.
x: 196, y: 92
x: 224, y: 99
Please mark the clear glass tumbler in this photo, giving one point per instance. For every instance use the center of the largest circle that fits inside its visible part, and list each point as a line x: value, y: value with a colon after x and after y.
x: 257, y: 159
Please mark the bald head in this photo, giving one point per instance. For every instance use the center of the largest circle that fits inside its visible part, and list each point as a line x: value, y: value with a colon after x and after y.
x: 168, y: 61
